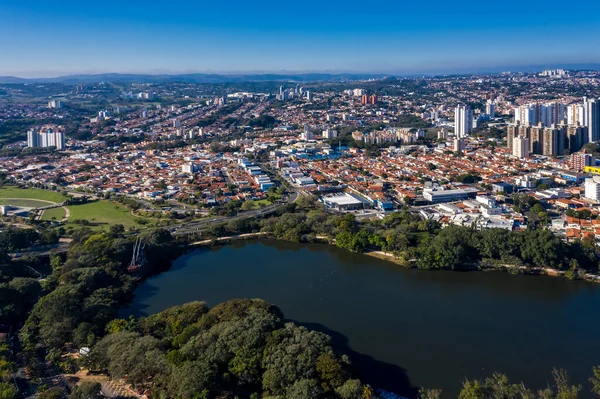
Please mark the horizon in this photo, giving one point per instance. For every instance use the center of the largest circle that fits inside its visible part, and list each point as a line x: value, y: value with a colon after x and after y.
x: 28, y: 75
x: 48, y: 40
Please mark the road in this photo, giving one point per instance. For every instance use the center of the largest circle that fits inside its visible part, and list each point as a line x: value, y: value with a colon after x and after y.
x: 194, y: 227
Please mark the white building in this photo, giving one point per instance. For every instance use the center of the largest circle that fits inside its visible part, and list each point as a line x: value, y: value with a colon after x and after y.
x: 463, y: 121
x: 526, y: 115
x: 190, y: 168
x: 521, y: 147
x: 44, y: 139
x: 592, y: 118
x: 358, y: 92
x: 576, y: 115
x: 329, y: 133
x: 55, y: 104
x: 592, y: 188
x: 490, y: 109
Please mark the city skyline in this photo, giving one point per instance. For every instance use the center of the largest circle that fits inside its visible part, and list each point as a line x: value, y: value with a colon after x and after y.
x: 46, y: 39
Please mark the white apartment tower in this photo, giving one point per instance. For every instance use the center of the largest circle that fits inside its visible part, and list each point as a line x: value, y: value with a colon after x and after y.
x: 592, y: 188
x: 490, y: 109
x: 592, y: 118
x: 463, y: 121
x: 520, y: 148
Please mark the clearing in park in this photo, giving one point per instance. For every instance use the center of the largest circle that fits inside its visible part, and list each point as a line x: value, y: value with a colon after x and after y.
x: 57, y: 213
x: 102, y: 212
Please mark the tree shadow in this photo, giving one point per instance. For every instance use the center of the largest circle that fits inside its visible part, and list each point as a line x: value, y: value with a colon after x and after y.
x: 380, y: 375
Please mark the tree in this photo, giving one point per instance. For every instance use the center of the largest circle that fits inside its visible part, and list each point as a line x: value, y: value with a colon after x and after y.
x: 87, y: 390
x: 8, y: 391
x: 595, y: 380
x: 425, y: 393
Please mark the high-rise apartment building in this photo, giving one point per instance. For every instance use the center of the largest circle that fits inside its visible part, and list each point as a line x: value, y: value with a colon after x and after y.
x: 580, y: 161
x: 592, y: 118
x: 553, y: 141
x: 490, y: 109
x: 577, y: 136
x: 46, y: 137
x: 576, y: 115
x: 520, y: 148
x: 592, y: 188
x: 463, y: 121
x: 55, y: 104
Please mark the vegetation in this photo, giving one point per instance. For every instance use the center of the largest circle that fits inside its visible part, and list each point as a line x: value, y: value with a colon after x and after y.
x: 242, y: 347
x: 421, y: 243
x: 102, y: 212
x: 54, y: 214
x: 31, y: 193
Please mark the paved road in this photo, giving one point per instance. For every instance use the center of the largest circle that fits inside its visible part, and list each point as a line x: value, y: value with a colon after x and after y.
x: 197, y: 226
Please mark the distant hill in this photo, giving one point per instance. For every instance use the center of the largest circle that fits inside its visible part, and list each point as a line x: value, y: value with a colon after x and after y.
x: 193, y: 78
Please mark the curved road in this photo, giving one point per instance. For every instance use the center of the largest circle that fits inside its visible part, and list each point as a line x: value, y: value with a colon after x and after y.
x: 193, y: 227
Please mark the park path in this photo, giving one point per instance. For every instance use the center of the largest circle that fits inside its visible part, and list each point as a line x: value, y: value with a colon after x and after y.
x: 67, y: 214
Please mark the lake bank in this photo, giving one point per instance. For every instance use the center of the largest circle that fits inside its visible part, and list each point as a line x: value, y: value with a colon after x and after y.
x: 485, y: 265
x: 434, y: 328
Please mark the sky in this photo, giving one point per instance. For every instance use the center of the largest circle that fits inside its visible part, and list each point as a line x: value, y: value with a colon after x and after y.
x: 40, y: 38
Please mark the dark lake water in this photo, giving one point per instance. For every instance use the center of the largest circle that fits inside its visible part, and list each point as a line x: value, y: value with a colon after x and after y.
x: 405, y: 328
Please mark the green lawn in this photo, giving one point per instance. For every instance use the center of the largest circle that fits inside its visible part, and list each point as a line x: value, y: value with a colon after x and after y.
x: 102, y: 212
x: 57, y: 213
x: 30, y: 193
x: 255, y: 204
x: 27, y: 203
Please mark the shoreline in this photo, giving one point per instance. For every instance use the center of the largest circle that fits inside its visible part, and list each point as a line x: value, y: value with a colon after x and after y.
x: 388, y: 257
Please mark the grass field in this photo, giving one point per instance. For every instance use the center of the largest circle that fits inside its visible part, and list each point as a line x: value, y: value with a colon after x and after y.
x: 103, y: 212
x: 28, y: 203
x: 57, y: 213
x: 30, y: 193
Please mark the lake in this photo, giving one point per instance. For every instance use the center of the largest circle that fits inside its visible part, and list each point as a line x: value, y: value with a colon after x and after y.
x: 404, y: 328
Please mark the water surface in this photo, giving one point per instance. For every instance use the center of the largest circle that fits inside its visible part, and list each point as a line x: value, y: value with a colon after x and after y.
x: 406, y: 328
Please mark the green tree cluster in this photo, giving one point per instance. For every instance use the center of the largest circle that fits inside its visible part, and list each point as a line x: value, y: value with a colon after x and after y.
x: 240, y: 347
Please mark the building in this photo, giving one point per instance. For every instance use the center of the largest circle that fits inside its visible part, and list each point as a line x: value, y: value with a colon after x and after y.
x: 55, y: 104
x: 46, y: 137
x: 306, y: 135
x: 547, y: 114
x: 576, y: 115
x: 580, y: 161
x: 358, y: 92
x: 592, y: 118
x: 592, y: 188
x: 190, y: 168
x: 344, y: 202
x: 520, y: 147
x: 553, y: 141
x: 577, y: 136
x: 490, y: 109
x: 371, y: 100
x: 329, y: 133
x: 526, y: 115
x: 459, y: 144
x: 449, y: 195
x: 463, y: 121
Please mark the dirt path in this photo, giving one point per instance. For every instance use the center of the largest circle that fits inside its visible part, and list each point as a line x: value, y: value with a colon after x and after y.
x: 67, y: 214
x: 110, y: 388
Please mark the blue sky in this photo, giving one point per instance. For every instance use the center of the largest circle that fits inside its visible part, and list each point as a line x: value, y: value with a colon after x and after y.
x: 49, y: 38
